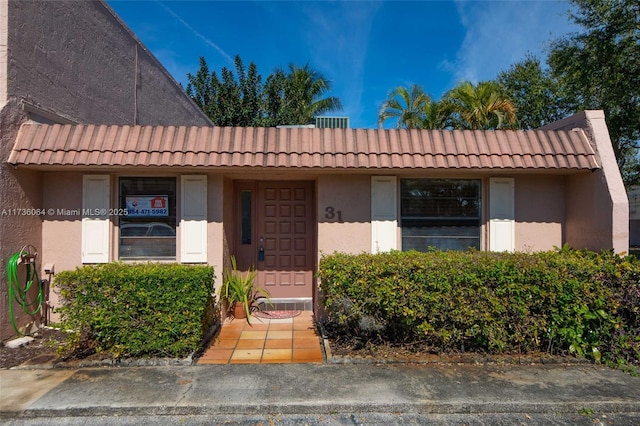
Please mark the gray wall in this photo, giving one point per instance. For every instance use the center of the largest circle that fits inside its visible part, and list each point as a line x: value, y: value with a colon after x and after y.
x: 70, y: 61
x: 78, y: 59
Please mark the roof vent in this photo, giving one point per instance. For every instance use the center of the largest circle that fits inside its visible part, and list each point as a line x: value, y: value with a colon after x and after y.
x: 332, y: 122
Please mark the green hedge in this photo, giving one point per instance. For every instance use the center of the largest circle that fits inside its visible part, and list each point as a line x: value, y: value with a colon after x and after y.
x: 557, y: 302
x: 133, y: 310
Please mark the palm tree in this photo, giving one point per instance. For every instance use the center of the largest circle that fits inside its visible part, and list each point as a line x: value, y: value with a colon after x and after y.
x: 303, y: 93
x: 408, y: 106
x: 483, y: 106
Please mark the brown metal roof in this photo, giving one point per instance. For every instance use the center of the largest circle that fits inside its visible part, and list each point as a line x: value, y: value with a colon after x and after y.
x: 311, y: 148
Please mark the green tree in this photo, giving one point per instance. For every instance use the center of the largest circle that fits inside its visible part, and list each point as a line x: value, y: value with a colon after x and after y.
x: 303, y: 95
x: 482, y: 106
x: 199, y: 87
x: 225, y: 100
x: 534, y: 92
x: 241, y: 99
x: 600, y: 69
x: 412, y: 108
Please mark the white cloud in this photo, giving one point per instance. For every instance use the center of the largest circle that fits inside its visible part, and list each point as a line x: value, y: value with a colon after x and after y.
x: 500, y: 33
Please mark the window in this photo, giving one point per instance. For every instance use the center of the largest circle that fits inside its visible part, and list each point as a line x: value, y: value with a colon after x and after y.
x: 148, y: 231
x: 440, y: 213
x: 246, y: 218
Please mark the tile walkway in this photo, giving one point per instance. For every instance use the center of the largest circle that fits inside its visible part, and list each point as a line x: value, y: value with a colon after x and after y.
x: 290, y: 340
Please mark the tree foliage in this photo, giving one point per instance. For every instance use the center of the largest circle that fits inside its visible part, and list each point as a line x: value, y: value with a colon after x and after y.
x: 242, y: 99
x: 478, y: 107
x: 599, y: 68
x: 466, y: 106
x: 412, y: 108
x: 303, y: 91
x: 535, y: 93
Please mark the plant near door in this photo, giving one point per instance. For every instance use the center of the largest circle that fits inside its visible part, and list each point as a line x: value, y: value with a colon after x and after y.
x: 239, y: 291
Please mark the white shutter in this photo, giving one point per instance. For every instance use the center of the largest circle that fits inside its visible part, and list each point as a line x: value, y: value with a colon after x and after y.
x: 193, y: 221
x: 384, y: 214
x: 95, y: 218
x: 501, y: 214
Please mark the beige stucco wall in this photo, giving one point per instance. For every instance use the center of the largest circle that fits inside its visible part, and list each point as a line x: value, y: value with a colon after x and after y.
x: 61, y: 233
x: 351, y: 195
x: 597, y: 205
x: 539, y: 212
x: 20, y: 192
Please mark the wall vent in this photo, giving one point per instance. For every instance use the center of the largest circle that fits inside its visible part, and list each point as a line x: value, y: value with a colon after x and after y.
x: 332, y: 122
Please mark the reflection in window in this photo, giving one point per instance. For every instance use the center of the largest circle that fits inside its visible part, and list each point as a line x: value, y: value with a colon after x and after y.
x: 440, y: 213
x: 148, y: 231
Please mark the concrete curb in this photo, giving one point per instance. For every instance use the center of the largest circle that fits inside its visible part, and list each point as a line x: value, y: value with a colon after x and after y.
x: 333, y: 408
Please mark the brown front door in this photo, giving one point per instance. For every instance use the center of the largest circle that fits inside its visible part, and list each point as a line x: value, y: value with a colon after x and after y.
x: 281, y: 243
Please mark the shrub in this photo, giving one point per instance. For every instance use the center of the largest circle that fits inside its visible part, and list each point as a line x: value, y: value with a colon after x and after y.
x: 137, y: 310
x: 557, y: 301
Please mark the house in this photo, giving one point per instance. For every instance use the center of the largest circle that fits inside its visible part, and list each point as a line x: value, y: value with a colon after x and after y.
x: 277, y: 198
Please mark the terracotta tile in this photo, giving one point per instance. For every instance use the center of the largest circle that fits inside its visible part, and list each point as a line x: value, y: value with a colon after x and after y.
x: 303, y: 326
x: 227, y: 332
x: 256, y: 327
x: 276, y: 355
x: 370, y: 148
x: 250, y: 344
x: 307, y: 355
x: 281, y: 321
x: 212, y: 361
x: 280, y: 327
x: 244, y: 361
x: 246, y: 355
x: 304, y: 316
x: 253, y: 335
x: 278, y: 344
x: 306, y: 343
x: 217, y: 354
x: 279, y: 334
x: 304, y: 334
x: 234, y: 325
x: 229, y: 335
x: 224, y: 343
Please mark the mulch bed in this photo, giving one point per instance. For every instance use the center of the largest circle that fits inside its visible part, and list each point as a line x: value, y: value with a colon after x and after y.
x: 44, y: 348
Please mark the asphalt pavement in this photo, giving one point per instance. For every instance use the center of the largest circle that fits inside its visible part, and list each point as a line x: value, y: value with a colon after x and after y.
x: 321, y: 394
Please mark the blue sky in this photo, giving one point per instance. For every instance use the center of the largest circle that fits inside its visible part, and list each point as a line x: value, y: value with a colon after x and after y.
x: 365, y: 48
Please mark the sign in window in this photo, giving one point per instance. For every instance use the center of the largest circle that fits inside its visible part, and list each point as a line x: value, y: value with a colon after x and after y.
x: 148, y: 231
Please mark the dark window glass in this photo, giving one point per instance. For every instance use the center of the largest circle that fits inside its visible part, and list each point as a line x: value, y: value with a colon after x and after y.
x: 245, y: 201
x: 148, y: 231
x: 440, y: 213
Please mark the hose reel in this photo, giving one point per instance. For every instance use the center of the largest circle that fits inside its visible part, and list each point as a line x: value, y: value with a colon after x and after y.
x: 18, y: 292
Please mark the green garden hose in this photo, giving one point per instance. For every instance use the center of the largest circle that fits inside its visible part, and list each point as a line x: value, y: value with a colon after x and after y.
x: 20, y: 293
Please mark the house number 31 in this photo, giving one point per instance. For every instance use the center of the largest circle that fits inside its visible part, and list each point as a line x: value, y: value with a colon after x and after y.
x: 331, y: 213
